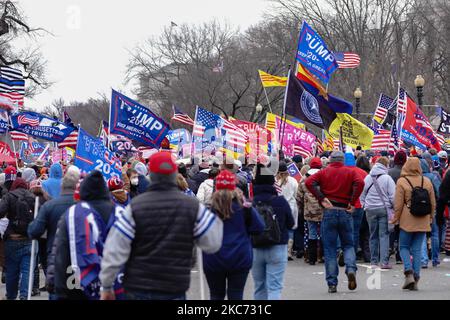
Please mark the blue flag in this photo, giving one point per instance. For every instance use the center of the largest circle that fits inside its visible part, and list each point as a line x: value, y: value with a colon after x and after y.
x: 29, y: 153
x: 91, y: 155
x: 40, y: 126
x: 4, y: 123
x: 135, y: 121
x: 314, y: 55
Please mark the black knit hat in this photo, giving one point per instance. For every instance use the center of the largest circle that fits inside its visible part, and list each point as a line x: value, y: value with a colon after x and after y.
x: 265, y: 178
x: 94, y: 187
x: 282, y: 167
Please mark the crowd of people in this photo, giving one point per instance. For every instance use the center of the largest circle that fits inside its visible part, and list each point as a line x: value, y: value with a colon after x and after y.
x: 135, y: 236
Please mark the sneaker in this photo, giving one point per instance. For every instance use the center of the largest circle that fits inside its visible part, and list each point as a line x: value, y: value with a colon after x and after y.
x: 332, y: 289
x: 435, y: 264
x: 299, y: 254
x: 351, y: 276
x: 341, y: 259
x: 425, y: 266
x: 290, y: 258
x: 386, y: 266
x: 35, y: 292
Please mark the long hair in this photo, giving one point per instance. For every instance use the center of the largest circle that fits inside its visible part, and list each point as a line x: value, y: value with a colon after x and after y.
x: 282, y: 178
x: 222, y: 201
x: 363, y: 163
x: 181, y: 182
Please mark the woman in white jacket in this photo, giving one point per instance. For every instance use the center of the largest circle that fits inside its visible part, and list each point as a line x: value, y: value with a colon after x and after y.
x: 289, y: 188
x: 206, y: 189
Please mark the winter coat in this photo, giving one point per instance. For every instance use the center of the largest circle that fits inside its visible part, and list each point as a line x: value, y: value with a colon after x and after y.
x: 198, y: 179
x: 433, y: 176
x: 409, y: 223
x: 370, y: 199
x: 52, y: 186
x: 395, y: 172
x: 205, y: 192
x: 289, y: 192
x: 308, y: 204
x: 444, y: 199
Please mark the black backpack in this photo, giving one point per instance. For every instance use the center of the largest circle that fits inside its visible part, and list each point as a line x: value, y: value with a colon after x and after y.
x: 420, y: 201
x: 271, y: 234
x: 24, y: 213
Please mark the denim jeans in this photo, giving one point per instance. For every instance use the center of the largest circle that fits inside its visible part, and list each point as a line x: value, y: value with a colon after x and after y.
x: 337, y: 223
x: 379, y: 235
x: 357, y: 217
x: 411, y: 245
x: 231, y: 284
x: 269, y: 265
x: 313, y: 228
x: 154, y: 295
x: 18, y: 255
x: 435, y: 248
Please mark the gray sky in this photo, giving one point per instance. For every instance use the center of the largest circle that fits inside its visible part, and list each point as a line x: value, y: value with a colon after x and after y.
x: 88, y: 53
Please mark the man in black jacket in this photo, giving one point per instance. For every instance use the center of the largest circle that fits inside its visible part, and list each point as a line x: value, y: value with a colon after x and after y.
x: 94, y: 191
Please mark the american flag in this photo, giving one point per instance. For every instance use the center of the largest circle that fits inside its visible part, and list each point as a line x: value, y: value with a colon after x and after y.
x: 402, y: 105
x: 299, y: 150
x: 27, y: 119
x: 31, y: 148
x: 70, y: 141
x: 394, y: 144
x: 440, y: 138
x: 384, y: 104
x: 18, y: 136
x: 12, y: 88
x: 233, y: 134
x: 319, y: 146
x: 347, y: 60
x: 381, y: 139
x: 182, y: 117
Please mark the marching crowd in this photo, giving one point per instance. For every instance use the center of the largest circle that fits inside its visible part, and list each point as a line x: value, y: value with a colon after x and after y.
x: 135, y: 236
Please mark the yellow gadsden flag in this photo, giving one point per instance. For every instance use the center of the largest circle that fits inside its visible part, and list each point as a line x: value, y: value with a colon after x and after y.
x: 269, y: 80
x: 354, y: 133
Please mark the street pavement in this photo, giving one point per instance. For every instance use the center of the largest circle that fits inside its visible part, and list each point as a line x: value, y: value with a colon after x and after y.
x: 305, y: 282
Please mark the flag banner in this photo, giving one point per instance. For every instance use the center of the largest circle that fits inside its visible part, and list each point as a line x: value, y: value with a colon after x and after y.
x: 337, y: 104
x: 182, y: 117
x: 294, y: 172
x: 135, y: 121
x: 381, y: 111
x: 59, y: 155
x: 258, y: 139
x: 12, y: 89
x: 416, y: 128
x: 269, y: 80
x: 91, y: 154
x: 272, y: 120
x: 347, y: 60
x: 295, y: 139
x: 6, y: 149
x: 30, y: 151
x: 70, y: 141
x: 40, y: 126
x: 394, y: 144
x: 307, y: 107
x: 123, y: 147
x: 381, y: 139
x: 313, y: 53
x: 178, y: 138
x: 18, y: 136
x: 4, y: 121
x: 354, y: 133
x: 444, y: 126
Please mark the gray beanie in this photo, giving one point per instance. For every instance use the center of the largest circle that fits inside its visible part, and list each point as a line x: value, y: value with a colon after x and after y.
x: 337, y: 156
x: 70, y: 180
x: 29, y: 175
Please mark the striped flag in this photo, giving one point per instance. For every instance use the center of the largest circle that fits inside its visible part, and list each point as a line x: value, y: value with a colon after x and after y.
x: 12, y: 88
x: 381, y: 139
x: 70, y: 141
x: 233, y: 134
x: 319, y: 146
x: 381, y: 111
x: 394, y: 144
x: 182, y: 117
x: 299, y: 150
x: 27, y: 119
x: 269, y: 80
x: 347, y: 60
x: 440, y: 138
x: 18, y: 136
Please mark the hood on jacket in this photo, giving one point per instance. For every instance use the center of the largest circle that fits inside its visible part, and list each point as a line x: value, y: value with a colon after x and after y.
x: 424, y: 165
x: 412, y: 167
x: 56, y: 171
x: 378, y: 169
x: 19, y: 183
x: 94, y: 187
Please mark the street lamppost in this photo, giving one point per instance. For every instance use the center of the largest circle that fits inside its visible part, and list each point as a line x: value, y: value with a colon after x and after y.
x: 357, y: 94
x: 259, y: 109
x: 419, y: 83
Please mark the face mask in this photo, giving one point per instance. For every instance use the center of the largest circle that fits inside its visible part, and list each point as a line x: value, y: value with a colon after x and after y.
x: 134, y: 181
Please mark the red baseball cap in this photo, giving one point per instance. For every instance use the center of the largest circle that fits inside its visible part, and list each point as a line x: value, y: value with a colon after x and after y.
x: 315, y: 163
x: 115, y: 183
x: 226, y: 180
x: 163, y: 163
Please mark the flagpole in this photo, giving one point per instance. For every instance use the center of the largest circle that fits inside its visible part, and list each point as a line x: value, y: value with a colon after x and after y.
x: 109, y: 126
x: 267, y: 98
x: 193, y: 136
x: 33, y: 254
x: 283, y: 117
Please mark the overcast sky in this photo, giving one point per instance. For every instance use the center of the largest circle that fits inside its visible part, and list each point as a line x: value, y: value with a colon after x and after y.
x: 88, y: 53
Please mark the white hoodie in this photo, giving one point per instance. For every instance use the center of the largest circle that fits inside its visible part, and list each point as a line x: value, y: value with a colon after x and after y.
x: 205, y: 192
x: 289, y: 191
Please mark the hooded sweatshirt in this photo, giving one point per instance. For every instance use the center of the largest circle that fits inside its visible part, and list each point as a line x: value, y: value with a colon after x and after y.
x: 433, y: 176
x: 205, y: 192
x: 52, y: 186
x: 370, y: 199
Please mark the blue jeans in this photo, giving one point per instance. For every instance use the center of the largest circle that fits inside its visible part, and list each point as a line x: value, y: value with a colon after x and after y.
x: 18, y: 255
x: 268, y: 269
x: 435, y: 248
x: 154, y: 295
x: 313, y: 228
x: 337, y: 223
x: 379, y: 235
x: 231, y: 284
x: 357, y: 217
x: 411, y: 245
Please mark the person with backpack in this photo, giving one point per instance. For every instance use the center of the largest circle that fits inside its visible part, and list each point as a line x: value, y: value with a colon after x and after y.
x: 227, y: 270
x: 337, y: 188
x: 18, y: 206
x: 377, y: 199
x: 270, y: 247
x: 414, y: 207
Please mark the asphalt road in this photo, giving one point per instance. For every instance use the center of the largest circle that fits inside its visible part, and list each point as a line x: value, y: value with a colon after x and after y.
x: 305, y: 282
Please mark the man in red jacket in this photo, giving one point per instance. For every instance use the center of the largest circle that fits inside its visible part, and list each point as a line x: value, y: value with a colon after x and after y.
x: 337, y: 188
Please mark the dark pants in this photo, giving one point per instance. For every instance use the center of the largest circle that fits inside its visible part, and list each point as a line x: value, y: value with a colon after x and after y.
x: 18, y: 255
x: 230, y: 283
x: 154, y: 295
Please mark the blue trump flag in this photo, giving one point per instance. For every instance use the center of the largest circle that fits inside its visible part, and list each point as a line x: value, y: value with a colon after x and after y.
x: 314, y: 55
x: 135, y: 121
x: 40, y: 126
x: 4, y: 121
x: 29, y: 153
x: 91, y: 155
